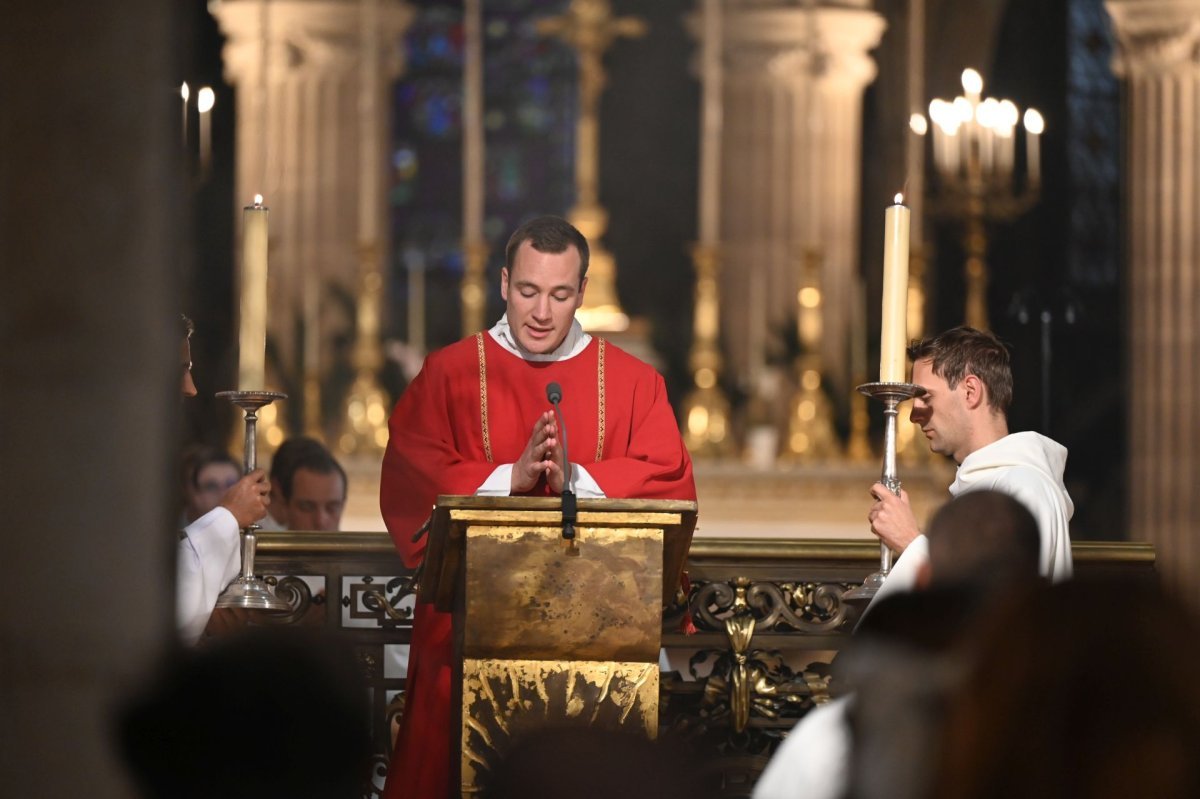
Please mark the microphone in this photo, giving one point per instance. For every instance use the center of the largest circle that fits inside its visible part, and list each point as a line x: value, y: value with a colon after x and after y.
x: 554, y: 394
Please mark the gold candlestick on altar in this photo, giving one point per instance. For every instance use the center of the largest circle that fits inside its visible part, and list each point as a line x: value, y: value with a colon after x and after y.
x: 810, y: 434
x: 589, y: 28
x: 364, y: 427
x: 705, y: 409
x: 475, y: 247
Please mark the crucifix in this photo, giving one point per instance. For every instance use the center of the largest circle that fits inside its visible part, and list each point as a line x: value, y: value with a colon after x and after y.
x: 589, y: 27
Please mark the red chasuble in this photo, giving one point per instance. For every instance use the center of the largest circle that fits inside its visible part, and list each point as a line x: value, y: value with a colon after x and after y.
x: 472, y: 408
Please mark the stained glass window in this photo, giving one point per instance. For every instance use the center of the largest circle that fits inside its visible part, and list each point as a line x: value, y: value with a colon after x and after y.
x: 1093, y: 100
x: 529, y: 113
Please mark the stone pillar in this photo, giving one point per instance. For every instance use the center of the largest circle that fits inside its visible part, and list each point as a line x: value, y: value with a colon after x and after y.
x: 793, y: 128
x: 300, y: 111
x: 1158, y: 62
x: 92, y: 192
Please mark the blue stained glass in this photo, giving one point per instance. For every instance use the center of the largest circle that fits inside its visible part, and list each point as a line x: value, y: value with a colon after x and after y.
x: 529, y: 123
x: 1093, y: 125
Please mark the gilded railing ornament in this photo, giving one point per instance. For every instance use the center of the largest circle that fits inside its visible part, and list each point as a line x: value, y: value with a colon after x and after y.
x: 807, y: 607
x: 740, y: 629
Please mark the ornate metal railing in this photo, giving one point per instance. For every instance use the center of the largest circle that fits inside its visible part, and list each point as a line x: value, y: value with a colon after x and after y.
x: 765, y: 616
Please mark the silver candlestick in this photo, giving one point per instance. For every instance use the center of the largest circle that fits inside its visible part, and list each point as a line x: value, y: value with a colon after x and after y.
x: 891, y: 395
x: 249, y: 591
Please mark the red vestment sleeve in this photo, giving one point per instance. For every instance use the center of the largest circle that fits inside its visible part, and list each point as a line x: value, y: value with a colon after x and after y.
x: 654, y: 464
x: 422, y: 459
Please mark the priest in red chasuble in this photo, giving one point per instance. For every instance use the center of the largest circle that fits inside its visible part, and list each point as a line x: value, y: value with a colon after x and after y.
x: 476, y: 421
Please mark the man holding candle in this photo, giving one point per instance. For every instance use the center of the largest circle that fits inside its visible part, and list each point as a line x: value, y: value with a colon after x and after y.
x: 476, y: 420
x: 207, y: 557
x: 968, y: 388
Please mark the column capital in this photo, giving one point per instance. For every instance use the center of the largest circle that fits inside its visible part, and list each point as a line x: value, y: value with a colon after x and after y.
x: 1155, y: 36
x: 306, y: 35
x: 777, y: 42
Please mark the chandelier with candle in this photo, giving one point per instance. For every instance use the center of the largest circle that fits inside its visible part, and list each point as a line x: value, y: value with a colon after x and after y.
x: 977, y: 180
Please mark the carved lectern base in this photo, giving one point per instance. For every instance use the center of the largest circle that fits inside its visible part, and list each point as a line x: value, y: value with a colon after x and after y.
x: 503, y: 698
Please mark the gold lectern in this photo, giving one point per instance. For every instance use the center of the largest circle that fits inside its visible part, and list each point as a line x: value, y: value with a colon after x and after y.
x: 550, y: 632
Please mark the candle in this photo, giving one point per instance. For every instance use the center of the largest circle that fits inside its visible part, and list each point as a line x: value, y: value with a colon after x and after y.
x: 895, y: 292
x: 252, y: 353
x: 1034, y: 125
x: 185, y: 93
x: 204, y: 104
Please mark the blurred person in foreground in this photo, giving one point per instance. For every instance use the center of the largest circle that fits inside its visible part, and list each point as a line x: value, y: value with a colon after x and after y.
x: 266, y: 712
x: 1086, y: 689
x: 873, y: 738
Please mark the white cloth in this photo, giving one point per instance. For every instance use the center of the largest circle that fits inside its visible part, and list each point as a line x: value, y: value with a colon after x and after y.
x: 812, y: 761
x: 499, y: 482
x: 1028, y: 467
x: 208, y: 558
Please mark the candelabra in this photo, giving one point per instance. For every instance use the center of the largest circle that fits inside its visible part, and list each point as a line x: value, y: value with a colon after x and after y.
x: 974, y: 160
x: 249, y: 591
x: 706, y: 410
x: 891, y: 395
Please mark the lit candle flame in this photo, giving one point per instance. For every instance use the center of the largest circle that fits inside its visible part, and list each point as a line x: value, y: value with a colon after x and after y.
x: 205, y: 100
x: 1034, y: 122
x: 899, y: 199
x: 972, y: 81
x: 185, y: 92
x: 258, y: 199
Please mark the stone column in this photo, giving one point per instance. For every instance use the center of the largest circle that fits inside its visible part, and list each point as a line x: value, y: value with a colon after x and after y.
x: 91, y: 230
x: 300, y: 111
x: 1159, y: 42
x: 793, y: 127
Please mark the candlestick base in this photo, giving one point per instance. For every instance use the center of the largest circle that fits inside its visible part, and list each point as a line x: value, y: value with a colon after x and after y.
x: 891, y: 395
x: 249, y: 591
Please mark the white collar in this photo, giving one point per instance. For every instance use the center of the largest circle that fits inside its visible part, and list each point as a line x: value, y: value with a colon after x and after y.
x: 575, y: 342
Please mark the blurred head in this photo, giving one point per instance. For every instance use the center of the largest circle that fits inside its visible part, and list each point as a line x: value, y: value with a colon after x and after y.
x: 982, y: 538
x: 1086, y: 689
x: 313, y: 489
x: 543, y: 282
x: 968, y: 384
x: 210, y: 473
x: 179, y: 735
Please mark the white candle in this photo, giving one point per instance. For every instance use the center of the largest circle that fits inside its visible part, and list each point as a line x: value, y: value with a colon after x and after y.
x: 895, y: 293
x: 205, y: 101
x: 185, y: 93
x: 252, y: 352
x: 1034, y: 125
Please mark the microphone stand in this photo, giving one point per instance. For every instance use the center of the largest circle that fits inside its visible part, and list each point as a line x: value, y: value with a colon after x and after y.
x: 569, y: 513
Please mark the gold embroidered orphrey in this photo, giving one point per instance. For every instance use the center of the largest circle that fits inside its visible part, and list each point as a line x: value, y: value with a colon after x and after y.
x: 483, y: 398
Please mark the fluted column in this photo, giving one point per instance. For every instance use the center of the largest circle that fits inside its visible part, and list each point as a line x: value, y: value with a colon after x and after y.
x: 300, y: 111
x: 791, y: 165
x: 1158, y: 61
